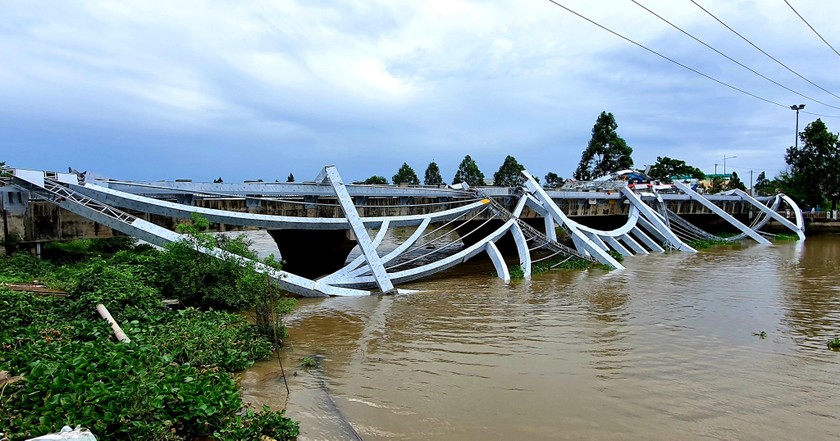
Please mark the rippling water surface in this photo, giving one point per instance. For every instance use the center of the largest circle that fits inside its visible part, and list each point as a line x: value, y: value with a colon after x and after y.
x: 662, y: 350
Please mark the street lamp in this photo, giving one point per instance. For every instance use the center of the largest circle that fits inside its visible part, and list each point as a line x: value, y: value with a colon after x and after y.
x: 724, y: 162
x: 797, y: 108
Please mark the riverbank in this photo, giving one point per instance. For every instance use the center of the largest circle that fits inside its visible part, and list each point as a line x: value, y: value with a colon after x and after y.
x: 178, y: 378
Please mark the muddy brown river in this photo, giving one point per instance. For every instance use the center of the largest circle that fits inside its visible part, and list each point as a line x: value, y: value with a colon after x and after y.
x: 665, y: 349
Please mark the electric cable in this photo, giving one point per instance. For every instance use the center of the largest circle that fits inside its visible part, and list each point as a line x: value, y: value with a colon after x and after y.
x: 812, y: 28
x: 670, y: 59
x: 762, y: 51
x: 732, y: 59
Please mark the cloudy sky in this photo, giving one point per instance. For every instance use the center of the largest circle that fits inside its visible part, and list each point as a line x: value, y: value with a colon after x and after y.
x: 244, y: 90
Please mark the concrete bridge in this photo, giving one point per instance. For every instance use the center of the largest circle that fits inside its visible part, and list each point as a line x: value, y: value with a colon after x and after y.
x: 316, y: 224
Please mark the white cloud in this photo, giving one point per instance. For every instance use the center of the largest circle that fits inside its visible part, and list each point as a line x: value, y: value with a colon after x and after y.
x: 375, y: 83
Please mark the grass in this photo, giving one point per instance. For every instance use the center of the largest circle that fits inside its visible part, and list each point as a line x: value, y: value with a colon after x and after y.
x: 701, y: 244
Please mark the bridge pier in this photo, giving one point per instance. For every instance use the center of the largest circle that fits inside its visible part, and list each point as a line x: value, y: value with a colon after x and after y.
x: 313, y: 253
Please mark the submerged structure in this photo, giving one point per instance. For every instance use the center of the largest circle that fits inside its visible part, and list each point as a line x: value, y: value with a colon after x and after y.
x: 480, y: 221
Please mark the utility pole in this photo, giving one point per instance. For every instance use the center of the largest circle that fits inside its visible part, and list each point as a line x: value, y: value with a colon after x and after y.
x: 751, y: 183
x: 715, y: 168
x: 797, y: 108
x: 724, y: 162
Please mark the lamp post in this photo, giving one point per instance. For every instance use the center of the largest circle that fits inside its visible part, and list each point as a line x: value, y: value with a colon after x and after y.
x: 797, y: 108
x: 724, y: 162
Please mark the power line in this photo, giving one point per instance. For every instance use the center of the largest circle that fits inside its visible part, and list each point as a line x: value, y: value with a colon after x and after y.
x: 730, y: 58
x: 669, y: 59
x: 763, y: 52
x: 812, y: 28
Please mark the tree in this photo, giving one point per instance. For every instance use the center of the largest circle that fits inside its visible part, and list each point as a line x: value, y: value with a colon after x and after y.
x: 432, y: 175
x: 734, y: 182
x: 606, y: 153
x: 717, y: 185
x: 291, y: 178
x: 665, y: 168
x: 509, y: 174
x: 375, y: 179
x: 761, y: 182
x: 814, y: 166
x: 218, y: 181
x: 468, y: 172
x: 553, y: 180
x: 405, y: 175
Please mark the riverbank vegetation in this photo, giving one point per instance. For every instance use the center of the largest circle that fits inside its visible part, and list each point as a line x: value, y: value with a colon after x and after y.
x: 175, y: 380
x: 557, y: 262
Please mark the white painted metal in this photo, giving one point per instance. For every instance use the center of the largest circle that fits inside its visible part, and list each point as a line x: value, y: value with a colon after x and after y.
x: 171, y: 209
x: 653, y: 222
x: 616, y: 245
x: 800, y: 221
x: 718, y: 211
x: 650, y: 243
x: 498, y: 261
x: 359, y: 261
x: 522, y: 249
x: 772, y: 213
x: 362, y: 237
x: 638, y: 249
x: 583, y: 243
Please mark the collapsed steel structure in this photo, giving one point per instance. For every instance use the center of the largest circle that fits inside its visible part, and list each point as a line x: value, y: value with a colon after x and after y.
x: 650, y: 228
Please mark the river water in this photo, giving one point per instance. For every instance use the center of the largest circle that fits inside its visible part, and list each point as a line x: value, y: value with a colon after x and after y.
x: 665, y: 349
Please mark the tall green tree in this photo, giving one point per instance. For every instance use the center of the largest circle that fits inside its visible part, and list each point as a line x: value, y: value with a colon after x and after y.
x: 666, y: 167
x: 509, y: 174
x: 405, y: 175
x: 432, y: 175
x: 468, y: 172
x: 553, y: 180
x: 606, y: 153
x: 815, y: 166
x: 290, y: 178
x: 734, y: 183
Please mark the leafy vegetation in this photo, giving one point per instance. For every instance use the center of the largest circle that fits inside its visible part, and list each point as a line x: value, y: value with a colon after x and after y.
x: 174, y: 381
x: 665, y: 168
x: 553, y: 180
x: 509, y: 174
x: 785, y: 236
x: 308, y: 362
x: 432, y: 175
x: 606, y: 153
x: 814, y: 166
x: 544, y: 266
x: 701, y: 244
x: 374, y: 180
x: 468, y: 172
x: 405, y: 175
x: 834, y: 344
x: 734, y: 182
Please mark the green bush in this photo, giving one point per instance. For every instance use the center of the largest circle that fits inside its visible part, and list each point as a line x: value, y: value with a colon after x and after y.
x: 208, y: 339
x: 172, y: 382
x: 121, y: 287
x: 20, y: 310
x: 23, y: 268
